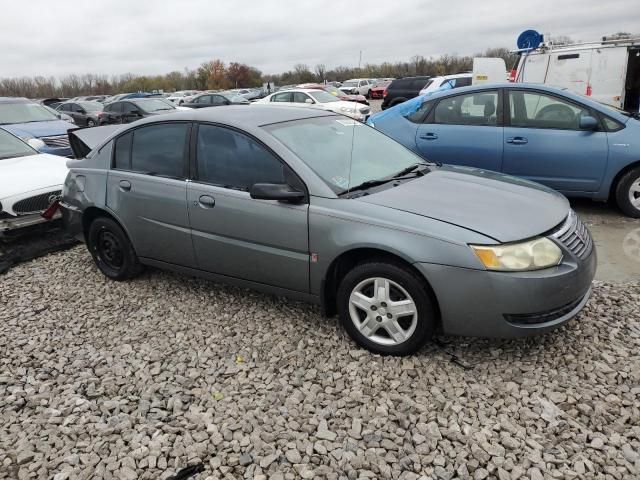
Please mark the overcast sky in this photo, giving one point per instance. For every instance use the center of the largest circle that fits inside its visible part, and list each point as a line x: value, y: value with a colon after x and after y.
x: 45, y: 37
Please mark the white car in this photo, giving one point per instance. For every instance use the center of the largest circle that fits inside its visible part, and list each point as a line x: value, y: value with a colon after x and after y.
x: 357, y: 86
x: 304, y: 97
x: 29, y: 183
x: 447, y: 81
x: 181, y: 96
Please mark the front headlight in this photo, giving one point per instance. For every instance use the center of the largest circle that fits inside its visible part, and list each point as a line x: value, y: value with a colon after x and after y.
x: 517, y: 257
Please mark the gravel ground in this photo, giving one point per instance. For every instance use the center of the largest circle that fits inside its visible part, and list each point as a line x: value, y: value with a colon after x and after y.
x: 140, y: 379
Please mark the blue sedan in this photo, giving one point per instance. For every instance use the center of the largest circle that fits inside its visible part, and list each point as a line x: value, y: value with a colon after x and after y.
x: 548, y: 135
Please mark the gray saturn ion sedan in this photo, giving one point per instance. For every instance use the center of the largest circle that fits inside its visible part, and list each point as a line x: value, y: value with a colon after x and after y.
x: 313, y: 205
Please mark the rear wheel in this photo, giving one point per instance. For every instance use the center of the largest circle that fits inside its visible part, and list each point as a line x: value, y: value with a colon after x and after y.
x: 628, y: 193
x: 111, y: 249
x: 385, y: 308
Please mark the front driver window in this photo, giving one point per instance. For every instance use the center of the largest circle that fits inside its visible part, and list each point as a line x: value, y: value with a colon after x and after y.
x: 231, y: 159
x: 473, y: 109
x: 537, y: 110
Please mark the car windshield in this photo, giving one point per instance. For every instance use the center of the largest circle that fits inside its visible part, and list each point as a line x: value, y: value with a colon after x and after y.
x: 12, y: 147
x: 24, y: 113
x: 91, y: 106
x: 350, y: 84
x: 321, y: 96
x: 155, y: 105
x: 343, y: 152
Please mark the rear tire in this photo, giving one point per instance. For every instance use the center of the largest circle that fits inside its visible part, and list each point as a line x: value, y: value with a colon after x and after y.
x: 111, y: 250
x: 628, y: 193
x: 91, y: 123
x: 385, y: 308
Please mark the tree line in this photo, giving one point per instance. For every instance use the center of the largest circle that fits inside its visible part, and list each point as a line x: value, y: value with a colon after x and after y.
x: 216, y: 74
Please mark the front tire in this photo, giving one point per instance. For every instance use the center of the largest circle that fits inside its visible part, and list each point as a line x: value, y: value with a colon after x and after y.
x: 111, y: 250
x: 385, y: 308
x: 628, y: 193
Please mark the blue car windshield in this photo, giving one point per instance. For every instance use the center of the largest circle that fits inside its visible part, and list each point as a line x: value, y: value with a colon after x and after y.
x: 343, y: 152
x: 12, y: 147
x: 11, y: 113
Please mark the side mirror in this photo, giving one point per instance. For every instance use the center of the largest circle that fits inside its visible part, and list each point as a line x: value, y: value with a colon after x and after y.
x: 308, y: 100
x: 276, y: 191
x: 587, y: 122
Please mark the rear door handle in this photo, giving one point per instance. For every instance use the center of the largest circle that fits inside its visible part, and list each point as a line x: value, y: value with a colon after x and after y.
x: 428, y: 136
x: 206, y: 201
x: 517, y: 140
x: 125, y: 185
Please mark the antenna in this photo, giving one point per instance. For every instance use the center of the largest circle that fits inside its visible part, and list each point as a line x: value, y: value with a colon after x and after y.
x: 353, y: 131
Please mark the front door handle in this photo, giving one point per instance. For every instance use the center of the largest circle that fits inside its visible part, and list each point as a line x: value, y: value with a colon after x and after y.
x: 517, y: 140
x: 205, y: 201
x: 125, y: 185
x: 428, y: 136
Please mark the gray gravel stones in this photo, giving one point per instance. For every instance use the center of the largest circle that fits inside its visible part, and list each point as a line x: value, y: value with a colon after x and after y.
x: 100, y: 379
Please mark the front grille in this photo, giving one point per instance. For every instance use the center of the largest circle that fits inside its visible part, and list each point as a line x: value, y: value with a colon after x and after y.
x: 542, y: 317
x: 35, y: 204
x: 57, y: 142
x: 575, y: 236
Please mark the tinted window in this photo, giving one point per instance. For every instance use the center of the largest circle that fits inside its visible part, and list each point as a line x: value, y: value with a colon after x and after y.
x: 420, y: 115
x: 65, y: 107
x: 113, y: 107
x: 282, y: 97
x: 159, y: 149
x: 473, y: 109
x: 299, y: 97
x: 233, y: 160
x: 611, y: 124
x: 204, y: 99
x: 122, y: 155
x: 463, y: 82
x: 129, y: 107
x: 218, y: 100
x: 419, y: 84
x: 537, y: 110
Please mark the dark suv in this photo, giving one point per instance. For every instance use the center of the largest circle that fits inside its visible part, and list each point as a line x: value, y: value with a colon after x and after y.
x: 403, y: 89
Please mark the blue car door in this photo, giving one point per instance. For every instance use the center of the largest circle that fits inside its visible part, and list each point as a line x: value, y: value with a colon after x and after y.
x: 544, y: 142
x: 464, y: 129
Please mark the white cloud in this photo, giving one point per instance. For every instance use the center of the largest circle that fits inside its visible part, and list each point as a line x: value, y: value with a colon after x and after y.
x: 41, y: 37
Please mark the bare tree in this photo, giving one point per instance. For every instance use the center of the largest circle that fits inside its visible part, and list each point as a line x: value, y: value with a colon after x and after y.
x: 320, y: 72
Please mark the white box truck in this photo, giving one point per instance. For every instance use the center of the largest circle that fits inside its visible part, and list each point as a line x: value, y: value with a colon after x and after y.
x: 608, y: 71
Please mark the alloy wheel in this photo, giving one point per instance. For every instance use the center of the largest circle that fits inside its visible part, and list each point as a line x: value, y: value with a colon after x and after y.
x: 383, y: 311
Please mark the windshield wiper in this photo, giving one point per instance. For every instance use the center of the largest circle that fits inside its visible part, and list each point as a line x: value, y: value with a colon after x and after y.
x: 396, y: 176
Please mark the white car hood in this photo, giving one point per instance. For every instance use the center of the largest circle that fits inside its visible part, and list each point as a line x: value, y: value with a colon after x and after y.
x: 25, y: 174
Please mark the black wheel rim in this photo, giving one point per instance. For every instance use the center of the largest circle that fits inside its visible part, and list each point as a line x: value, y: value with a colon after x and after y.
x: 109, y: 250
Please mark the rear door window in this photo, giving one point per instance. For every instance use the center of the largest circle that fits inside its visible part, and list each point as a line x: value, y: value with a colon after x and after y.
x: 299, y: 97
x: 282, y: 97
x: 122, y: 152
x: 160, y: 149
x: 480, y: 109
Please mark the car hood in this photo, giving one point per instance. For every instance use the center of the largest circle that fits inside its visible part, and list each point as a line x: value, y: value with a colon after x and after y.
x: 39, y: 129
x: 336, y: 106
x: 504, y: 208
x: 33, y: 172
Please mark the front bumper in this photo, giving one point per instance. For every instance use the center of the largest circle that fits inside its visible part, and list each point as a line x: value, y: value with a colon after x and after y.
x: 72, y: 221
x: 482, y: 303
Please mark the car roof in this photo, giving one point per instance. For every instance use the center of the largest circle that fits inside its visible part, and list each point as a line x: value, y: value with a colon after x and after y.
x: 242, y: 116
x: 15, y: 100
x: 303, y: 90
